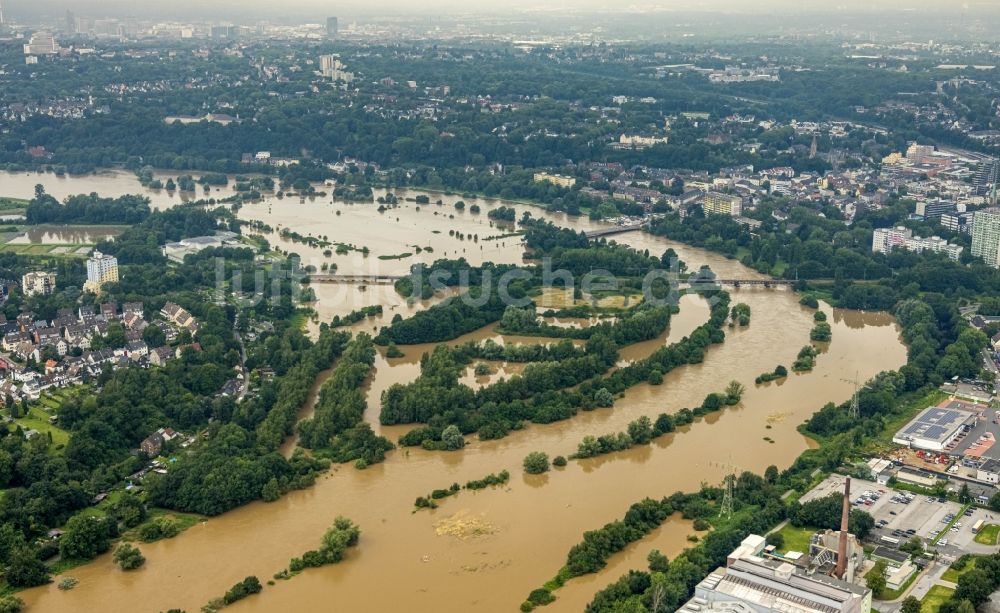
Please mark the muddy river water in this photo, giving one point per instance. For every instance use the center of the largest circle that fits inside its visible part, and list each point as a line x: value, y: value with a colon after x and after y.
x: 486, y: 550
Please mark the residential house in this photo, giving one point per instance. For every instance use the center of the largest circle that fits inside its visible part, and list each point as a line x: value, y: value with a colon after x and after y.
x: 26, y: 350
x: 152, y: 444
x: 134, y: 321
x: 160, y: 356
x: 47, y: 336
x: 12, y: 340
x: 136, y: 350
x: 230, y: 388
x: 179, y: 316
x: 77, y: 335
x: 135, y: 308
x: 191, y: 346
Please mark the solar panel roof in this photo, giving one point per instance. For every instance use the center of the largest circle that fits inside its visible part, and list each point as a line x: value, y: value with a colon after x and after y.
x: 936, y: 423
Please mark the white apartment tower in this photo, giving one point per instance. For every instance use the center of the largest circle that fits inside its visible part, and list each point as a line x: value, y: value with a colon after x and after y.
x: 884, y: 239
x: 101, y: 269
x: 332, y: 68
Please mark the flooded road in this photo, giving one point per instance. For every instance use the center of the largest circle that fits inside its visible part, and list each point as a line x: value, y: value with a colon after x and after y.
x: 485, y: 550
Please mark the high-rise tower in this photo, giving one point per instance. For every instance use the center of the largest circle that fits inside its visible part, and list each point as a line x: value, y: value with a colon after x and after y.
x: 986, y: 236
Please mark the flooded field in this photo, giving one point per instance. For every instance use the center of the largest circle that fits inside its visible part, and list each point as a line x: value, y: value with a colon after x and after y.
x: 65, y: 235
x: 486, y: 550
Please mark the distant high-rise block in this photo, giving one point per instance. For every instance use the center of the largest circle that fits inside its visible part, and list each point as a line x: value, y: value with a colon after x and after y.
x: 986, y: 236
x: 331, y: 27
x: 41, y: 43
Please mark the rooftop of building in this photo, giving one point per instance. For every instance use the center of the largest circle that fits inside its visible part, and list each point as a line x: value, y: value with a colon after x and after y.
x: 751, y: 581
x: 935, y: 424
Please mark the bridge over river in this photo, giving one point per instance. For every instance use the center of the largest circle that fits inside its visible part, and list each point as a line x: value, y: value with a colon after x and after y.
x: 615, y: 230
x: 359, y: 279
x: 390, y: 279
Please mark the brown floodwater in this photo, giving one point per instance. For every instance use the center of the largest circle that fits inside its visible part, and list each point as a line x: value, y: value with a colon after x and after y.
x: 486, y: 550
x: 107, y: 183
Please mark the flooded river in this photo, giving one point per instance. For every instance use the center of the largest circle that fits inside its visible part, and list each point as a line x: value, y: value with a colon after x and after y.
x: 486, y: 550
x: 107, y: 183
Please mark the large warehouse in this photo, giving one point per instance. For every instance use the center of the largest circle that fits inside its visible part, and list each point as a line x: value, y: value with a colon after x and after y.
x: 935, y: 428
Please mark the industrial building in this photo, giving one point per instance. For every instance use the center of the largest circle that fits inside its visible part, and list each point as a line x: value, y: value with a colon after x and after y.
x: 177, y: 251
x: 756, y: 581
x: 989, y: 471
x: 936, y: 429
x: 824, y: 551
x: 750, y: 582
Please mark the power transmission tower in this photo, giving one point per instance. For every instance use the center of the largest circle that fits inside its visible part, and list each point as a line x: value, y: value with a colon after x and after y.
x: 726, y: 508
x: 855, y: 410
x: 728, y: 485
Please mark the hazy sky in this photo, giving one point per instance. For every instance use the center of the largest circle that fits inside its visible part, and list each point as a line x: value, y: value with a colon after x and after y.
x: 303, y: 9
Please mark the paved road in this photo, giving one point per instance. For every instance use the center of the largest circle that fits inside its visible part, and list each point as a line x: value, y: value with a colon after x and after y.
x: 245, y: 383
x: 918, y: 589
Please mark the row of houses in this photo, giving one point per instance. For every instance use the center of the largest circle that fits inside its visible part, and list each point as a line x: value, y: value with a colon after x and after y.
x: 71, y: 335
x: 27, y: 336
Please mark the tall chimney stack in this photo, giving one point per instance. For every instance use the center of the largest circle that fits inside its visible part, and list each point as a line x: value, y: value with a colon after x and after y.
x: 841, y: 568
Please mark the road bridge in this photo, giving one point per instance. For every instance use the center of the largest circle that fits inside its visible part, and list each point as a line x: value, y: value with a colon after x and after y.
x: 738, y: 283
x: 615, y: 230
x: 359, y: 279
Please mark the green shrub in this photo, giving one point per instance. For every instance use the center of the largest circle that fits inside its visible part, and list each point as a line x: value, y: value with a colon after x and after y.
x: 536, y: 463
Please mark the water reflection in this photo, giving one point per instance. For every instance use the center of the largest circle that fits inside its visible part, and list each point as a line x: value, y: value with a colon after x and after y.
x: 65, y: 235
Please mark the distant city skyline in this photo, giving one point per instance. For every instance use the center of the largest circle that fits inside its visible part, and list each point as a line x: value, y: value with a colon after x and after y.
x: 319, y: 10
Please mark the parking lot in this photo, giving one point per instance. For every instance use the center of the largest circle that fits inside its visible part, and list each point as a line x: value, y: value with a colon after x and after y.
x: 973, y: 390
x: 982, y: 438
x: 899, y: 515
